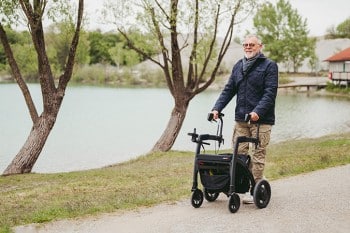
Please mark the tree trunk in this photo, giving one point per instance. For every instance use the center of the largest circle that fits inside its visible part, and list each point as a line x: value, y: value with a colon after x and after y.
x: 30, y: 151
x: 167, y: 140
x: 52, y: 96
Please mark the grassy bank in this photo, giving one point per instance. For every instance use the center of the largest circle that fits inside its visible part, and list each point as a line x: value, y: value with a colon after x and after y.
x: 146, y: 181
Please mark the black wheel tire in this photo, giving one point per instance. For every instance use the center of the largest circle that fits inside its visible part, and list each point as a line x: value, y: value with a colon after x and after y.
x: 210, y: 196
x: 197, y: 198
x: 234, y: 203
x: 262, y: 194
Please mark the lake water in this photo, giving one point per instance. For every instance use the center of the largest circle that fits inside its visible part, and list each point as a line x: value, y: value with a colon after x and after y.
x: 99, y: 126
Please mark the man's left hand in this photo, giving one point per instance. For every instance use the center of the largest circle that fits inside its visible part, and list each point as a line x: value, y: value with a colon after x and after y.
x: 254, y: 116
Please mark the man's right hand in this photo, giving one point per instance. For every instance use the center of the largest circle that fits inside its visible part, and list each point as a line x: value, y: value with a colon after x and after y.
x: 215, y: 114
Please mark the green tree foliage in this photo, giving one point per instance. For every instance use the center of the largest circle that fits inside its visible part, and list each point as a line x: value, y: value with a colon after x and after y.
x: 99, y: 46
x: 2, y: 59
x: 314, y: 63
x: 284, y: 34
x: 143, y: 40
x: 26, y: 59
x: 94, y: 48
x: 341, y: 31
x: 58, y: 38
x: 57, y: 41
x: 23, y: 52
x: 112, y: 48
x: 123, y: 56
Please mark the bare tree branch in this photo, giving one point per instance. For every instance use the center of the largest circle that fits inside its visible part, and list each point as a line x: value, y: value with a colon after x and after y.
x: 207, y: 59
x: 63, y: 81
x: 138, y: 50
x: 18, y: 76
x: 224, y: 47
x: 162, y: 10
x: 192, y: 75
x: 45, y: 73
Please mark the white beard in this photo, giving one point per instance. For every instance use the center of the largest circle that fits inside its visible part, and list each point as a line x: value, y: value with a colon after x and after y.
x: 250, y: 54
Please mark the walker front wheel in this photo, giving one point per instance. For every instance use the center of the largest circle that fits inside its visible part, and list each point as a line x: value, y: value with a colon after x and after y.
x: 210, y: 196
x: 234, y: 203
x: 197, y: 198
x: 262, y: 194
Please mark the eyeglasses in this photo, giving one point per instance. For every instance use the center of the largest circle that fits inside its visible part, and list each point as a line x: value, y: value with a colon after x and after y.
x: 248, y: 45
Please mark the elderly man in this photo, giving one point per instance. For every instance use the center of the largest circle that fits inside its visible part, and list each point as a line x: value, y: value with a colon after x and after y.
x: 254, y: 82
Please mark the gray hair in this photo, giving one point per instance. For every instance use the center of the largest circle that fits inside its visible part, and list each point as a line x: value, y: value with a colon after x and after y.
x: 253, y: 36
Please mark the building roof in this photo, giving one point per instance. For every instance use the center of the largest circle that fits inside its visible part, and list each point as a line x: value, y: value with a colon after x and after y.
x: 343, y: 55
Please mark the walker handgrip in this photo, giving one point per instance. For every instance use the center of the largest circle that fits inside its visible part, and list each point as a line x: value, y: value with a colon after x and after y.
x: 211, y: 116
x: 247, y: 117
x: 247, y: 139
x: 204, y: 137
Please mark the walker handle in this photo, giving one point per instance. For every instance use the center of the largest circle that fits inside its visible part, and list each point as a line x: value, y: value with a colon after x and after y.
x: 211, y: 116
x: 247, y: 117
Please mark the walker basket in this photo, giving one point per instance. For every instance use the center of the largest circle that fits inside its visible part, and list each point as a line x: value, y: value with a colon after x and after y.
x: 214, y: 172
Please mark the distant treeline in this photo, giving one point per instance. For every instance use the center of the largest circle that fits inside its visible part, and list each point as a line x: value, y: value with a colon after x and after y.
x: 101, y: 57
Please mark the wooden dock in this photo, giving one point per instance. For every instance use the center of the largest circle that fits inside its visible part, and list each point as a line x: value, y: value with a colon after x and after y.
x: 308, y: 87
x: 306, y: 84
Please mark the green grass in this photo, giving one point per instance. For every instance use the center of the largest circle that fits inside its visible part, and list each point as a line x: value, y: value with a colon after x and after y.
x: 295, y: 157
x: 146, y: 181
x: 333, y: 88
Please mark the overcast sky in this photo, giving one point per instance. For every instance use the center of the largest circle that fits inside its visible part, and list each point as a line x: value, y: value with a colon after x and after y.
x: 320, y: 14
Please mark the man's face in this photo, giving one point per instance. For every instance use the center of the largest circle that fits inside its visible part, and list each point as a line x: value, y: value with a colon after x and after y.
x: 251, y: 47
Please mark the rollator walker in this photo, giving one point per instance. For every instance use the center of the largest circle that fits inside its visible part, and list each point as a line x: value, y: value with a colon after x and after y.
x: 226, y: 173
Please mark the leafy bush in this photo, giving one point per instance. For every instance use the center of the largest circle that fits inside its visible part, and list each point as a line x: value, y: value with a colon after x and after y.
x: 342, y: 89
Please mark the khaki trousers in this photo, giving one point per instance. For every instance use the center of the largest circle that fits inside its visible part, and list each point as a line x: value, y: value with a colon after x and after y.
x: 258, y: 159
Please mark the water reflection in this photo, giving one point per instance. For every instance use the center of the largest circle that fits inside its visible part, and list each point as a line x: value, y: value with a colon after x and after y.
x: 301, y: 116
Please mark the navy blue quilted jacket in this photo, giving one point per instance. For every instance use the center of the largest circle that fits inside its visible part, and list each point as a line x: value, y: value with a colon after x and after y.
x: 256, y: 92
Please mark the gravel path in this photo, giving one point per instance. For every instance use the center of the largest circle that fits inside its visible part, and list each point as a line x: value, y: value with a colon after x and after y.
x: 314, y: 202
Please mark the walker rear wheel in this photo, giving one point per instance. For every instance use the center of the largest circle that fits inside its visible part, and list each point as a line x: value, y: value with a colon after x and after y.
x: 234, y: 203
x: 262, y: 194
x: 197, y: 198
x: 210, y: 196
